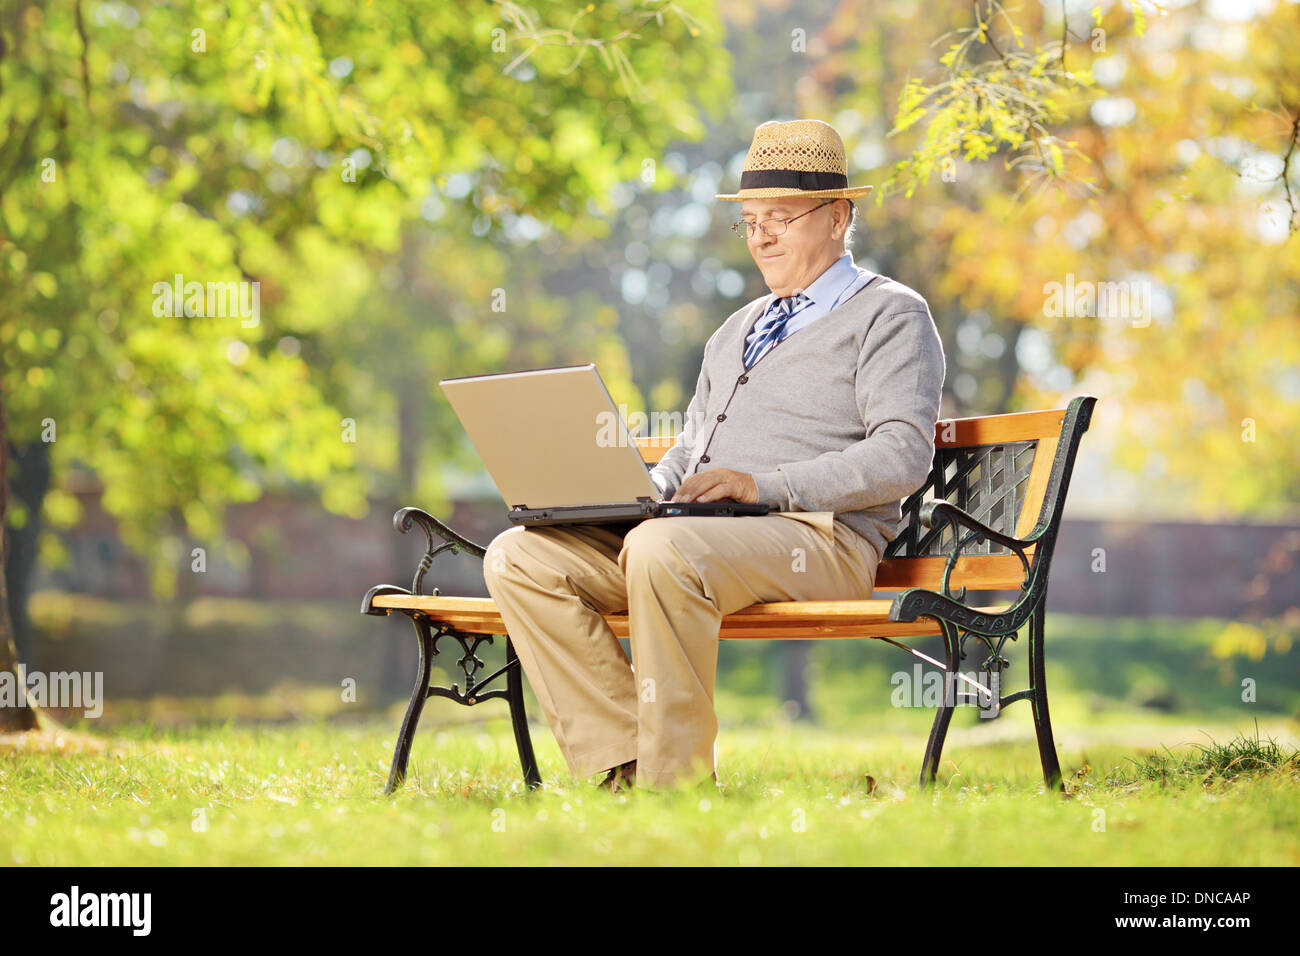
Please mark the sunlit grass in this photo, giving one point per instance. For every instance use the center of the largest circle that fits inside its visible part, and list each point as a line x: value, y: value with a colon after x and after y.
x: 311, y: 793
x: 1174, y: 774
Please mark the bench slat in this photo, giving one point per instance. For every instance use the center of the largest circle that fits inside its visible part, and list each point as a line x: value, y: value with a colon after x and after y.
x: 995, y: 429
x: 1038, y: 476
x: 979, y: 572
x: 779, y: 620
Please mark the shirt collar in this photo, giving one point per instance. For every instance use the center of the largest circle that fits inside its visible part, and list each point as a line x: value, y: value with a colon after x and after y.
x: 826, y: 288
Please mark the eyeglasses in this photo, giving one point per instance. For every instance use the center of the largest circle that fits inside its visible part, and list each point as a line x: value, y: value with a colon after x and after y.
x: 771, y: 227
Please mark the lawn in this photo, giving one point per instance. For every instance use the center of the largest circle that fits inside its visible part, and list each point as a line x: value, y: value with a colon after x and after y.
x: 294, y: 776
x: 310, y: 793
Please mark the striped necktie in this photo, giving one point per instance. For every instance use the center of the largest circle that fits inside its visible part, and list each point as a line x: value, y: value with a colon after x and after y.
x: 772, y: 329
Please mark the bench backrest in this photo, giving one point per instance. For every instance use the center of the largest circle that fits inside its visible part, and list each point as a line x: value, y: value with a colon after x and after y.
x: 1009, y: 471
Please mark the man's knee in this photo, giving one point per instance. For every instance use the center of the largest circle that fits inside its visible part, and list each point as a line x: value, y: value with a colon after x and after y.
x: 654, y: 546
x: 541, y: 555
x: 506, y: 552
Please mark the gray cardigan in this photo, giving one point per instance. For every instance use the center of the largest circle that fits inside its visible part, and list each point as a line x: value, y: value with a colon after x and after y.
x: 839, y: 417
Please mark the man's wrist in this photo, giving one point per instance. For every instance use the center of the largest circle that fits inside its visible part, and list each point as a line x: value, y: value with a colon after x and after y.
x: 772, y: 490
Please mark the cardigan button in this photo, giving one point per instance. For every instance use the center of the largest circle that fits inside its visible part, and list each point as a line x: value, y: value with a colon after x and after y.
x: 704, y: 459
x: 722, y: 418
x: 742, y: 380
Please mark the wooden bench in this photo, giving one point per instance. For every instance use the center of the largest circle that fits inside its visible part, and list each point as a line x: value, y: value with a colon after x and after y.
x: 985, y: 520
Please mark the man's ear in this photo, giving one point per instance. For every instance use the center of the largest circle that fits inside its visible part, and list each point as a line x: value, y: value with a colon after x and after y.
x: 842, y: 224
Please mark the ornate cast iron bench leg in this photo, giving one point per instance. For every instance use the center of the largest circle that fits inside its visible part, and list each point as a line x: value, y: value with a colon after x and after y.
x: 1042, y: 720
x: 513, y: 694
x: 515, y: 697
x: 406, y: 736
x: 942, y: 717
x: 428, y: 632
x: 1036, y: 694
x: 960, y: 623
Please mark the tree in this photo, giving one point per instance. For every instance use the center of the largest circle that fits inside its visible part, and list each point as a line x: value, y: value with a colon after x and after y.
x: 1189, y: 147
x: 1173, y: 290
x: 293, y: 151
x: 11, y: 718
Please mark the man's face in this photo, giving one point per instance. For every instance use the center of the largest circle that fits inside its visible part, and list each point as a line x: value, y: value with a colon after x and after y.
x: 805, y: 250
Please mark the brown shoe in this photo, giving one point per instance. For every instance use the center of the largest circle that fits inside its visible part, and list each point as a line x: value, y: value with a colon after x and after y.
x: 620, y: 779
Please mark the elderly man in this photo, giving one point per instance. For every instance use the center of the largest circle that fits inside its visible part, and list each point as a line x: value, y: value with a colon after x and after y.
x: 819, y: 400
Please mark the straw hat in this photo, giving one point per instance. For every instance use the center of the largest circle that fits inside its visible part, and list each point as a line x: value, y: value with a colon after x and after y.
x: 798, y: 158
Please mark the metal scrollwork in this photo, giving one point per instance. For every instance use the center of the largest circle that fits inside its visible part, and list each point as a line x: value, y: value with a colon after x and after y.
x: 432, y: 528
x: 470, y: 664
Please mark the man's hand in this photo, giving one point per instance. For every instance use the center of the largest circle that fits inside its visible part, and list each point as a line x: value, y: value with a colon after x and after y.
x: 719, y: 484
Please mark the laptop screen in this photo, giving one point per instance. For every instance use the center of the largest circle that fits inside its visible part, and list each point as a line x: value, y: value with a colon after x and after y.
x: 551, y: 438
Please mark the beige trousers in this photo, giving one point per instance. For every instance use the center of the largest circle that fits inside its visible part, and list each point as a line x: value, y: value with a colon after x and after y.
x: 676, y: 578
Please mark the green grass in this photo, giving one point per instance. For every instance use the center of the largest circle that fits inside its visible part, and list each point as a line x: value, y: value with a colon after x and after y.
x: 1240, y: 757
x: 1166, y: 762
x: 305, y: 794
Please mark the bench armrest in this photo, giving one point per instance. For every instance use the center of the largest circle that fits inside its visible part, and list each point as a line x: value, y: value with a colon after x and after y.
x: 940, y: 511
x: 914, y: 601
x: 432, y: 528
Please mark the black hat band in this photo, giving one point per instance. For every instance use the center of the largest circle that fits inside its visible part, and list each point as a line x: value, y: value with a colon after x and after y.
x: 803, y: 179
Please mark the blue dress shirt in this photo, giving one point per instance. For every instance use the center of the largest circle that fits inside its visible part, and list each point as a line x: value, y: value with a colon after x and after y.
x: 840, y: 280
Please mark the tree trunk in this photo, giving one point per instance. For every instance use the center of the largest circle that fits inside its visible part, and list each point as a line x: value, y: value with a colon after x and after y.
x: 15, y: 718
x: 175, y: 637
x: 795, y: 671
x: 29, y: 480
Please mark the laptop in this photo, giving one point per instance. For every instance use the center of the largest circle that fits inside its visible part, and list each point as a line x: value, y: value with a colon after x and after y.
x: 559, y: 451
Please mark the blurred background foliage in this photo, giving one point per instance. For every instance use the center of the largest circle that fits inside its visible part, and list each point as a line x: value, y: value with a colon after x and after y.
x: 426, y: 189
x: 371, y: 166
